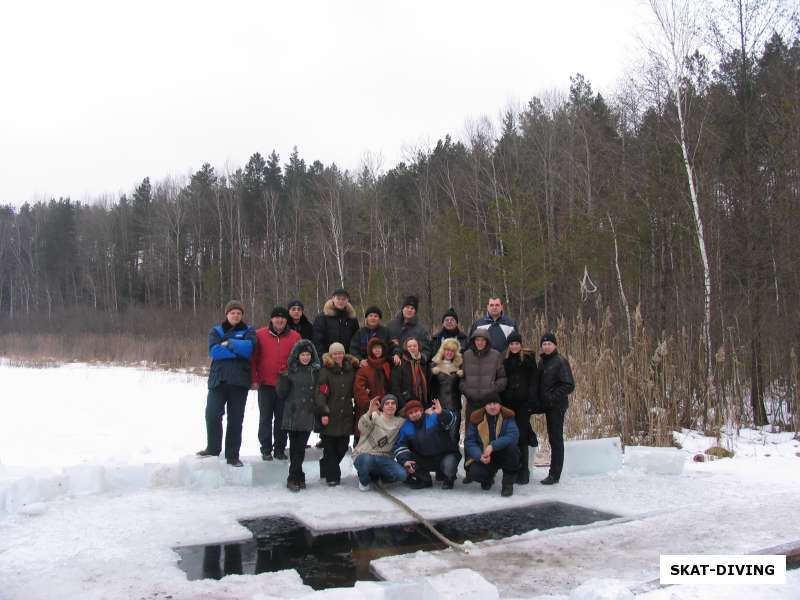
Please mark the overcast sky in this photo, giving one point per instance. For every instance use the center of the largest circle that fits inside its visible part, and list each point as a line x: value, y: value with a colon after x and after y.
x: 98, y: 95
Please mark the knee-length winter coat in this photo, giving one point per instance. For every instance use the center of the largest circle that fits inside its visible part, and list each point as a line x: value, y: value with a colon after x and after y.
x: 446, y: 375
x: 297, y: 387
x: 520, y: 370
x: 410, y: 380
x: 484, y: 375
x: 335, y: 395
x: 374, y: 379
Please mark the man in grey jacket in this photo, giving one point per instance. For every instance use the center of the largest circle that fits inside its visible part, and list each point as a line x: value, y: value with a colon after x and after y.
x: 484, y: 373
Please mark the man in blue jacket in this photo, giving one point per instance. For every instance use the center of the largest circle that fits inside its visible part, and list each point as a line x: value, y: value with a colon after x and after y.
x: 491, y: 444
x: 230, y: 347
x: 498, y: 325
x: 425, y: 444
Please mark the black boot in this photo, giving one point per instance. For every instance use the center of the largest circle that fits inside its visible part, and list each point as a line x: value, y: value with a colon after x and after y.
x: 447, y: 484
x: 549, y: 480
x: 508, y: 485
x: 523, y: 477
x: 205, y: 453
x: 487, y: 485
x: 293, y: 485
x: 234, y: 462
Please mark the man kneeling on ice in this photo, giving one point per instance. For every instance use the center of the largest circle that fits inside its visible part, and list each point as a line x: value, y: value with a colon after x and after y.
x: 425, y: 444
x: 491, y: 444
x: 378, y: 429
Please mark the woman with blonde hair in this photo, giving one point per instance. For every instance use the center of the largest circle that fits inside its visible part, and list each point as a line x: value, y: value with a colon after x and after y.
x: 445, y: 375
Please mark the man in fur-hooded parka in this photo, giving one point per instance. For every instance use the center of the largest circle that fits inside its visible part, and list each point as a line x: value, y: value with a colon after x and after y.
x: 336, y: 323
x: 484, y: 375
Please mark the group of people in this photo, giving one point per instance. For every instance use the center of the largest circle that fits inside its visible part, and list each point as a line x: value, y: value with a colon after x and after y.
x: 399, y: 391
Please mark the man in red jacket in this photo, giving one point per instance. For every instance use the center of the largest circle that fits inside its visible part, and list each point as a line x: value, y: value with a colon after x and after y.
x: 275, y: 343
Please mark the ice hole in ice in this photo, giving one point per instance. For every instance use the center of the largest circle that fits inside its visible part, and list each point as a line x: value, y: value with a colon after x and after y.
x: 326, y: 559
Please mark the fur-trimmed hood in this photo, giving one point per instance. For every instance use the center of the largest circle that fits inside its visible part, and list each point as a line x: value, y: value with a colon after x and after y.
x: 349, y: 362
x: 477, y: 416
x: 329, y: 309
x: 439, y: 364
x: 293, y: 362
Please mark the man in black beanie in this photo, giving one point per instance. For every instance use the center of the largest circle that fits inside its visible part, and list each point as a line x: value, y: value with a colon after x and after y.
x: 450, y: 329
x: 550, y: 389
x: 406, y: 325
x: 336, y: 323
x: 372, y: 328
x: 298, y: 321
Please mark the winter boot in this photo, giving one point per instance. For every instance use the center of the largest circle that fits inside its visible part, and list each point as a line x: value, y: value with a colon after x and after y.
x: 549, y: 480
x: 293, y: 485
x: 507, y: 488
x: 487, y: 485
x: 234, y: 462
x: 302, y: 481
x: 281, y: 455
x: 204, y: 453
x: 266, y: 456
x: 523, y: 477
x: 448, y: 483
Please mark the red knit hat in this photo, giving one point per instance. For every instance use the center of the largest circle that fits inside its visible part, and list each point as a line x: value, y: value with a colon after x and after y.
x: 411, y: 405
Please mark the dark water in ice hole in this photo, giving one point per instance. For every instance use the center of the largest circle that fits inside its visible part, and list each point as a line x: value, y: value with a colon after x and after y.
x: 340, y: 558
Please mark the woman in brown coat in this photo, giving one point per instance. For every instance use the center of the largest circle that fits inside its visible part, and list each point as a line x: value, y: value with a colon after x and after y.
x: 372, y: 380
x: 335, y: 409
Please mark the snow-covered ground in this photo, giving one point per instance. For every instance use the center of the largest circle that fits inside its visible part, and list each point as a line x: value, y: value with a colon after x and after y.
x: 97, y: 487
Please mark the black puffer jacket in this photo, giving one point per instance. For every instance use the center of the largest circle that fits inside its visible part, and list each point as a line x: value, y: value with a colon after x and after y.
x: 334, y: 325
x: 297, y: 387
x: 552, y: 384
x: 520, y: 373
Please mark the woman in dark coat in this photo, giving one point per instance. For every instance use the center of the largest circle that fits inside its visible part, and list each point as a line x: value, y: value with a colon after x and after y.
x: 410, y: 378
x: 520, y: 367
x: 373, y: 380
x: 335, y: 409
x: 296, y: 387
x: 445, y: 375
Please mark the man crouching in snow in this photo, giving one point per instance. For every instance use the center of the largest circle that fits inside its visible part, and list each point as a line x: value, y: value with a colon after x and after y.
x: 425, y: 444
x: 491, y: 444
x: 378, y: 429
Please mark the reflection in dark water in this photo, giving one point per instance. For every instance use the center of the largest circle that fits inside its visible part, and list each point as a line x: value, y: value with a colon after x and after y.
x: 339, y: 559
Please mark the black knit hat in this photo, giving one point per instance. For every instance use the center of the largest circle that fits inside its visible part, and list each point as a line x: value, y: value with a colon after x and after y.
x: 451, y: 312
x: 340, y: 292
x: 514, y: 337
x: 279, y: 311
x: 410, y: 301
x: 295, y: 303
x: 373, y: 310
x: 548, y: 337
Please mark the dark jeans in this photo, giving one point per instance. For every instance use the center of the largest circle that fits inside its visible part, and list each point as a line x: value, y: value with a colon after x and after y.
x: 297, y: 453
x: 334, y: 447
x: 506, y: 459
x: 383, y: 467
x: 555, y: 434
x: 270, y: 416
x: 235, y: 398
x: 445, y: 463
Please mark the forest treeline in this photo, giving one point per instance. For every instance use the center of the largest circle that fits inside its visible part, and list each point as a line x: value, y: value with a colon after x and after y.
x: 575, y: 209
